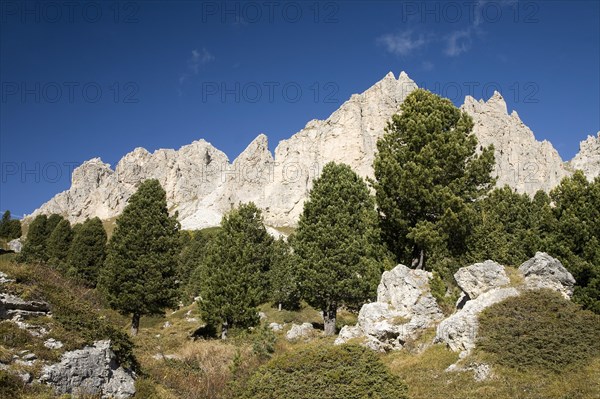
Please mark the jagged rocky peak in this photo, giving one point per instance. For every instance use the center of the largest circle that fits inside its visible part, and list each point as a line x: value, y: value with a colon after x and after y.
x: 522, y: 162
x: 588, y: 157
x: 202, y: 184
x: 91, y: 172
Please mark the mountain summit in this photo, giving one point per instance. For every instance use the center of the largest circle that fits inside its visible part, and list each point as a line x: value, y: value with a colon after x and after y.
x: 202, y: 184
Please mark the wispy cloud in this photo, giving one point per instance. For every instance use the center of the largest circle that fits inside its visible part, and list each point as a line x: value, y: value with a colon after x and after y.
x: 458, y: 42
x: 427, y: 65
x: 194, y: 63
x: 401, y: 43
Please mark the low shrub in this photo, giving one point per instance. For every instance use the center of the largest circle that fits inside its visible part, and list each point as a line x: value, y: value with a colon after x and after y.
x: 321, y: 370
x: 539, y: 329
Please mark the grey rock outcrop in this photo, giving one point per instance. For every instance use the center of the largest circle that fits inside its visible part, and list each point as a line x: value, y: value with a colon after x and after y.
x: 92, y: 370
x: 479, y: 278
x: 404, y: 308
x: 544, y: 271
x: 588, y: 157
x: 15, y: 245
x: 12, y: 306
x: 459, y: 331
x: 298, y: 331
x: 481, y: 371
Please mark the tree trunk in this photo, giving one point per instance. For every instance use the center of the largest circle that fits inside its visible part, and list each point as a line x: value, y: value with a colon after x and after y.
x: 329, y: 316
x: 135, y: 324
x: 224, y: 330
x: 418, y: 263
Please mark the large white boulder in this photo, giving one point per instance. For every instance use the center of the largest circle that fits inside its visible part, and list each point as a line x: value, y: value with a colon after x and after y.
x: 544, y: 271
x: 404, y: 308
x: 479, y: 278
x: 92, y: 370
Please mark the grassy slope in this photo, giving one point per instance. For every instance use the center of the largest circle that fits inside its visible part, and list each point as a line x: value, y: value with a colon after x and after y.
x: 207, y: 368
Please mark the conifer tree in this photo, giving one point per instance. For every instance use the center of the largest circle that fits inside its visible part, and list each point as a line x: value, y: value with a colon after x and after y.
x: 34, y: 249
x: 336, y: 244
x: 283, y: 277
x: 140, y: 272
x: 9, y: 228
x: 87, y: 252
x: 427, y: 173
x: 233, y: 277
x: 59, y: 243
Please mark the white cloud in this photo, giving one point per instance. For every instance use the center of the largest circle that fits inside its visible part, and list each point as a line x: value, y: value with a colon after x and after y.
x: 458, y: 42
x: 197, y: 59
x: 401, y: 43
x: 427, y: 65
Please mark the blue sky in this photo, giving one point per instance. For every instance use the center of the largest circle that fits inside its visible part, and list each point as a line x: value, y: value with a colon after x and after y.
x: 99, y: 78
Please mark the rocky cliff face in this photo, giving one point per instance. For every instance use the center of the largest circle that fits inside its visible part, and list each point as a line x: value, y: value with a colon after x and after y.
x: 522, y: 162
x: 202, y: 184
x: 588, y: 157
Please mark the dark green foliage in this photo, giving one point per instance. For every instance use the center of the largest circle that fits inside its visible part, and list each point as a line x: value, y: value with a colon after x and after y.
x: 337, y: 243
x: 9, y: 228
x: 541, y: 330
x: 233, y: 276
x: 192, y: 255
x: 140, y: 272
x: 263, y: 342
x: 87, y: 252
x: 34, y: 248
x: 283, y: 276
x: 427, y: 174
x: 503, y: 228
x: 324, y: 371
x: 52, y: 222
x: 576, y: 237
x: 59, y: 243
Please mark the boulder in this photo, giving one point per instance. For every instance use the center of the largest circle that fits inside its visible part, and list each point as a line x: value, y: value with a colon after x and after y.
x: 304, y: 330
x: 12, y: 306
x: 4, y: 278
x: 481, y: 371
x: 92, y: 370
x: 15, y: 245
x: 459, y: 331
x: 276, y: 327
x: 544, y: 271
x: 404, y: 308
x: 479, y: 278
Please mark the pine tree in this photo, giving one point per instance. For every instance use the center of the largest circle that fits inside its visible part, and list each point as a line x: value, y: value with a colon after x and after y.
x: 140, y: 272
x: 59, y: 243
x: 427, y: 173
x: 576, y: 239
x: 87, y: 252
x: 283, y: 277
x: 9, y: 228
x: 34, y: 249
x: 233, y: 277
x: 52, y: 222
x: 4, y: 224
x: 336, y: 244
x: 191, y: 256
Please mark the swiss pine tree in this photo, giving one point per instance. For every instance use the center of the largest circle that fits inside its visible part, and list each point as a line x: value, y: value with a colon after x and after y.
x: 140, y: 272
x: 9, y: 228
x: 87, y: 252
x: 59, y: 243
x: 283, y: 276
x: 233, y: 277
x: 34, y: 248
x: 337, y: 244
x: 427, y: 173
